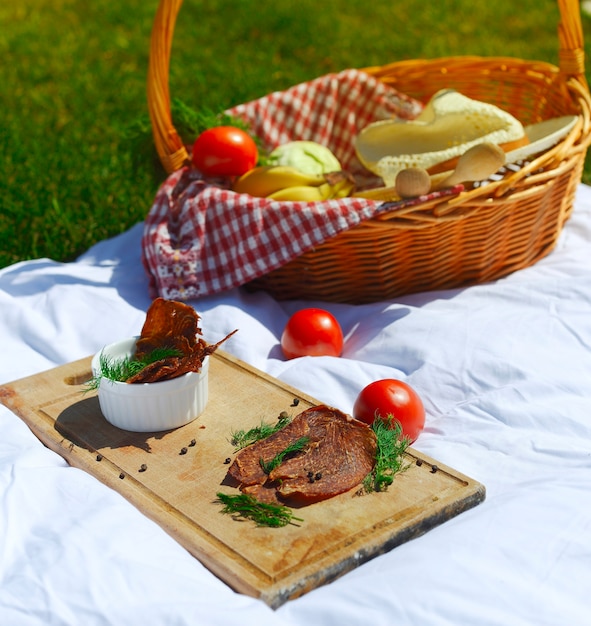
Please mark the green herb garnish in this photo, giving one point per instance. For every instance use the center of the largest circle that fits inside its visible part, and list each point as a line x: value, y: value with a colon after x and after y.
x: 242, y: 438
x: 391, y: 446
x: 248, y: 507
x: 276, y: 461
x: 120, y: 370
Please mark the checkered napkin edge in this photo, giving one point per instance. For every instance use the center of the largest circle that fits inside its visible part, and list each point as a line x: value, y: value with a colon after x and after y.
x: 201, y: 238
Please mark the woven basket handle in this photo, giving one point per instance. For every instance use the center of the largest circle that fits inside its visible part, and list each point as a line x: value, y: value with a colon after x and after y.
x: 169, y: 145
x: 570, y: 37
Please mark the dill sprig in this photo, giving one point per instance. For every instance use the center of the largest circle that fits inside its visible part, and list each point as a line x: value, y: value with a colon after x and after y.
x: 242, y: 438
x: 248, y: 507
x: 188, y: 122
x: 122, y: 369
x: 296, y: 446
x: 391, y: 446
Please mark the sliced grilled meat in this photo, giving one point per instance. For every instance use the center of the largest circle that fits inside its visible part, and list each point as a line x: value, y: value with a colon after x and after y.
x: 339, y: 452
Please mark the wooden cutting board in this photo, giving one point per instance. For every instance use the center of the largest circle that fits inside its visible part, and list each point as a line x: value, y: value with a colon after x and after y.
x: 173, y: 478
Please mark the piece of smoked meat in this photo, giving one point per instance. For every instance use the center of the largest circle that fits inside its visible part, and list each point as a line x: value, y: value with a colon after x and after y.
x: 339, y: 454
x: 173, y: 325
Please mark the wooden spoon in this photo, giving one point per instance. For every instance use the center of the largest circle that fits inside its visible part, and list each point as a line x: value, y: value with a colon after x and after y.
x: 477, y: 163
x: 412, y: 182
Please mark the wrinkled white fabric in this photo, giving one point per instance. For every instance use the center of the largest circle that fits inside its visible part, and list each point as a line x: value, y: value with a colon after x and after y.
x: 504, y: 370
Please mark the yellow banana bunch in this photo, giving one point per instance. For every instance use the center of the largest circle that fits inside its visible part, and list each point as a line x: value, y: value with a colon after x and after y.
x: 326, y: 191
x: 283, y: 182
x: 267, y: 179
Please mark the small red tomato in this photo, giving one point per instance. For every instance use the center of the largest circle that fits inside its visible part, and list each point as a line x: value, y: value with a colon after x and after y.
x: 224, y: 151
x: 395, y: 398
x: 312, y: 332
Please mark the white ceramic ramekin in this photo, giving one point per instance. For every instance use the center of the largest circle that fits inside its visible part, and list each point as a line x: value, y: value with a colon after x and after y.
x: 150, y: 407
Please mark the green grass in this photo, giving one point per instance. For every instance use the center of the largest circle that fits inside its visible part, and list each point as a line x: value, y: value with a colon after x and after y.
x: 73, y: 84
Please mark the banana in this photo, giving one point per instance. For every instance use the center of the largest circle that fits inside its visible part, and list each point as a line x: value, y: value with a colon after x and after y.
x: 264, y: 180
x: 301, y: 193
x: 283, y: 182
x: 305, y: 193
x: 342, y: 188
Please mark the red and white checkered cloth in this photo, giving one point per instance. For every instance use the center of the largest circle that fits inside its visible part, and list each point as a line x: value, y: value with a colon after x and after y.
x: 200, y: 238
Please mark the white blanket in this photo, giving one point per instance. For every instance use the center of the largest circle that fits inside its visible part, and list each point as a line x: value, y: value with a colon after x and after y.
x: 504, y: 370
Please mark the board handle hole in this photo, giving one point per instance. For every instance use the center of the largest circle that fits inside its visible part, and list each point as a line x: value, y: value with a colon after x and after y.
x: 78, y: 379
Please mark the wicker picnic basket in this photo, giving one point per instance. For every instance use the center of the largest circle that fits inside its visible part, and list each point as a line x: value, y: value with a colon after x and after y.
x: 477, y: 236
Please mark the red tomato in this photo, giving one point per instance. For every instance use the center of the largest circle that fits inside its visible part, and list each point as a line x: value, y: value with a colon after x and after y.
x: 312, y: 332
x: 224, y: 151
x: 395, y: 398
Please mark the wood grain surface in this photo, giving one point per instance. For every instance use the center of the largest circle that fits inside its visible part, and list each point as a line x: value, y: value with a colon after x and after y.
x: 173, y: 478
